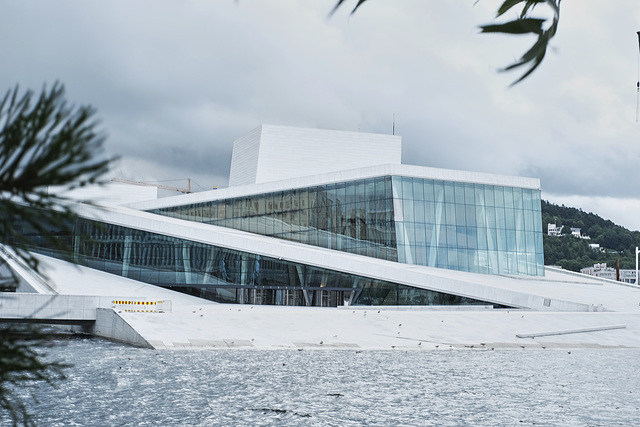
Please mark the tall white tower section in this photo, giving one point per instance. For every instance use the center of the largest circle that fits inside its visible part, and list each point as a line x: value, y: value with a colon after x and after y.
x: 272, y: 153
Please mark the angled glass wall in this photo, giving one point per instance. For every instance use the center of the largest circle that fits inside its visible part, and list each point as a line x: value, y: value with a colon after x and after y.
x: 355, y: 217
x: 453, y: 225
x: 226, y: 275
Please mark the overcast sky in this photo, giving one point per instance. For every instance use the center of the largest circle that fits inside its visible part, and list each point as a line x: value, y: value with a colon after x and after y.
x: 175, y: 82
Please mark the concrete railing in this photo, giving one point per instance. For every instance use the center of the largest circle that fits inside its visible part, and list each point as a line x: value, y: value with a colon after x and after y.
x: 65, y: 308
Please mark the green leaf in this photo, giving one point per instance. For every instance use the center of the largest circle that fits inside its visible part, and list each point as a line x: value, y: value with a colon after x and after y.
x: 535, y: 55
x: 339, y: 3
x: 518, y: 26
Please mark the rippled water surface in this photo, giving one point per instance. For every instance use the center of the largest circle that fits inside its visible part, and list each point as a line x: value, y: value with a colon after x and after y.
x: 113, y: 384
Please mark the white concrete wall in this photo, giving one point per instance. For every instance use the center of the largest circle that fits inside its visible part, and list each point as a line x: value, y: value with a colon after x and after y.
x: 110, y: 325
x: 14, y: 305
x: 273, y: 153
x: 244, y: 159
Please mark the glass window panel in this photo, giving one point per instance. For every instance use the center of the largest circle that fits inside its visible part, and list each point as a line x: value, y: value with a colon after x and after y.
x: 479, y: 195
x: 410, y: 228
x: 420, y: 255
x: 519, y: 219
x: 501, y: 221
x: 341, y: 193
x: 438, y: 191
x: 388, y: 193
x: 470, y: 215
x: 407, y: 188
x: 397, y: 187
x: 428, y: 191
x: 389, y: 210
x: 420, y: 230
x: 537, y: 222
x: 304, y: 198
x: 512, y: 263
x: 381, y: 189
x: 461, y: 237
x: 237, y: 208
x: 501, y: 239
x: 295, y: 219
x: 481, y: 217
x: 449, y: 195
x: 370, y: 189
x: 517, y: 198
x: 304, y: 218
x: 418, y: 191
x: 400, y: 233
x: 489, y: 195
x: 528, y: 220
x: 511, y: 240
x: 452, y: 259
x: 419, y: 211
x: 273, y: 202
x: 253, y: 224
x: 530, y: 237
x: 463, y: 260
x: 295, y: 200
x: 461, y: 213
x: 459, y: 192
x: 442, y: 257
x: 287, y: 198
x: 350, y: 192
x: 452, y: 238
x: 450, y: 213
x: 492, y: 217
x: 261, y: 205
x: 429, y: 212
x: 508, y: 197
x: 430, y: 237
x: 472, y: 239
x: 498, y: 194
x: 482, y: 241
x: 213, y: 211
x: 247, y: 207
x: 408, y: 210
x: 469, y: 194
x: 330, y: 190
x: 521, y: 246
x: 509, y: 218
x: 527, y: 199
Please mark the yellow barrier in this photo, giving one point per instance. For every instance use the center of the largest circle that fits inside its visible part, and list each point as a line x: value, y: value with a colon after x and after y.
x: 142, y: 306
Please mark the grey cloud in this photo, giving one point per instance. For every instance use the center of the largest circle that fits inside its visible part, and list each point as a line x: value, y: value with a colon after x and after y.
x: 176, y: 82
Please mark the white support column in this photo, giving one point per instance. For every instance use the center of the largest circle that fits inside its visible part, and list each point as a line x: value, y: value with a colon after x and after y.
x: 126, y: 253
x: 637, y: 252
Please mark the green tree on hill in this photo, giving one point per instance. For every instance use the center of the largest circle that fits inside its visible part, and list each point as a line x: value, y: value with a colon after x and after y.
x: 571, y: 253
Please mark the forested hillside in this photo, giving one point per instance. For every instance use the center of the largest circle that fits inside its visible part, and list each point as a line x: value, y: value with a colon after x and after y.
x: 573, y: 253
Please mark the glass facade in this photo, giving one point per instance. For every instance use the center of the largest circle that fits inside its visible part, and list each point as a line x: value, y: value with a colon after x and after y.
x: 468, y: 227
x: 453, y: 225
x: 355, y: 217
x: 226, y: 275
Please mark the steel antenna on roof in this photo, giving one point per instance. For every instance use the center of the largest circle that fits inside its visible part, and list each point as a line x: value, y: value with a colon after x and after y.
x: 638, y: 83
x: 393, y: 127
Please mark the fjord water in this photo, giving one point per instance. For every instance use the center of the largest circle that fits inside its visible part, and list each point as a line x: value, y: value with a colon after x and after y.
x: 114, y: 384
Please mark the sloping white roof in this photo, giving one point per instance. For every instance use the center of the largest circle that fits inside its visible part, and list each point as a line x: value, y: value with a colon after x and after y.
x: 342, y: 176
